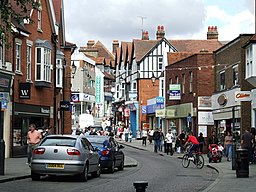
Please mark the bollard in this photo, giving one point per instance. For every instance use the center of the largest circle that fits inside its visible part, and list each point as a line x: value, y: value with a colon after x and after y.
x: 2, y: 156
x: 234, y: 155
x: 140, y: 186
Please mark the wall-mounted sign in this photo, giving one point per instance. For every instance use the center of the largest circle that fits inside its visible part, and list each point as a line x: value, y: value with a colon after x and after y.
x: 64, y: 105
x: 205, y: 118
x: 222, y: 100
x: 75, y: 97
x: 174, y: 92
x: 243, y: 96
x: 24, y: 90
x: 144, y: 109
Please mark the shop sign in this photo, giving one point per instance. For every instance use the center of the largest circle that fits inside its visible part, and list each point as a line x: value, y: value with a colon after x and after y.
x: 174, y: 92
x: 243, y: 96
x: 75, y: 97
x: 127, y: 112
x: 144, y: 109
x: 160, y: 113
x: 64, y: 105
x: 205, y: 118
x: 170, y: 112
x: 24, y: 90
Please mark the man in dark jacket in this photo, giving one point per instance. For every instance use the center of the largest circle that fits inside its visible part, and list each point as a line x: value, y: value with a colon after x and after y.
x: 247, y: 142
x: 156, y: 138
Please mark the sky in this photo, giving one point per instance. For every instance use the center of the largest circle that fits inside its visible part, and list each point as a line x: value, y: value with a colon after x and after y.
x: 124, y: 20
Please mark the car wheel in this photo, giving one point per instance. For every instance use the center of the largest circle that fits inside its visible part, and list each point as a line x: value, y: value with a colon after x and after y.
x: 84, y: 175
x: 98, y: 172
x: 111, y: 169
x: 121, y: 166
x: 35, y: 176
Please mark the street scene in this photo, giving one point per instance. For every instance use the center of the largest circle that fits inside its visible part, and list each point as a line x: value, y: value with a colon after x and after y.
x: 115, y: 96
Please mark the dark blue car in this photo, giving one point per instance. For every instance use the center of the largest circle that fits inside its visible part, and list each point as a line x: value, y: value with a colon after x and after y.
x: 111, y: 154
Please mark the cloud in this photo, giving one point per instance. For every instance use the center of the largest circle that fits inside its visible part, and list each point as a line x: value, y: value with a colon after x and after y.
x: 106, y: 20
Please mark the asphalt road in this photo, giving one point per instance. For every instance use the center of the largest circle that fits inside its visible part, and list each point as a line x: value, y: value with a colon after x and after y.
x: 163, y: 174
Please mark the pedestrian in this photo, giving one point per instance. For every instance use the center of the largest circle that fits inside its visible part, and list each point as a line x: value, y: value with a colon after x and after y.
x: 150, y: 135
x: 247, y: 142
x: 169, y: 139
x: 126, y: 134
x: 33, y: 139
x: 92, y: 132
x: 130, y: 137
x: 201, y: 142
x: 144, y: 136
x: 182, y: 140
x: 161, y: 143
x: 156, y: 138
x: 228, y: 140
x: 213, y: 139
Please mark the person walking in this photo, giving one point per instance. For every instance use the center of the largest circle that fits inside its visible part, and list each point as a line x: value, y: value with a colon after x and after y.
x: 33, y: 139
x: 156, y: 138
x: 201, y: 142
x: 161, y: 143
x: 169, y: 139
x: 150, y: 135
x: 247, y: 142
x: 144, y: 137
x: 228, y: 140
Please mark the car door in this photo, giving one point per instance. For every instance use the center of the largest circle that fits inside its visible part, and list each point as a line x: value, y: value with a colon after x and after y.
x: 118, y: 152
x: 92, y: 155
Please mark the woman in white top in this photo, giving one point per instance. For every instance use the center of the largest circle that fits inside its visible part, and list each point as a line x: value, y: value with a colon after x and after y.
x: 144, y: 135
x: 169, y: 139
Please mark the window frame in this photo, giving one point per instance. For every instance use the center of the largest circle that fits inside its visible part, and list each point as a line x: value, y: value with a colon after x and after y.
x: 18, y: 57
x: 190, y: 81
x: 43, y: 67
x: 29, y: 62
x: 222, y: 80
x: 183, y: 83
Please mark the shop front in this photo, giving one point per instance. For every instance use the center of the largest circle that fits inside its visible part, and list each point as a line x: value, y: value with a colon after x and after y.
x: 226, y: 111
x: 152, y: 106
x: 24, y: 115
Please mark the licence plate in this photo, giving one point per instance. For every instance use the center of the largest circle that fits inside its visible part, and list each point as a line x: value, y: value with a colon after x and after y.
x: 55, y: 166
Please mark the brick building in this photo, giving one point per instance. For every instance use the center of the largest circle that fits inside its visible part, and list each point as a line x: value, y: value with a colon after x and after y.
x: 39, y: 62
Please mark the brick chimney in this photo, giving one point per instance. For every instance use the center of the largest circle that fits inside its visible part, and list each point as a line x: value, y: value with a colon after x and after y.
x: 145, y: 35
x: 90, y: 43
x: 212, y: 33
x: 115, y: 45
x: 160, y: 32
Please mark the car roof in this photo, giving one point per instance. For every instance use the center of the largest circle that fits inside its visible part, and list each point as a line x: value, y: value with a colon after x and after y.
x: 65, y: 136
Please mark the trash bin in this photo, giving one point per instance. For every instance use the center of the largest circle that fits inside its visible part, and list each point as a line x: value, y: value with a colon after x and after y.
x: 242, y: 163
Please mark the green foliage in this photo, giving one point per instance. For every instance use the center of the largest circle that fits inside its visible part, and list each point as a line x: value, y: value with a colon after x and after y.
x: 7, y: 13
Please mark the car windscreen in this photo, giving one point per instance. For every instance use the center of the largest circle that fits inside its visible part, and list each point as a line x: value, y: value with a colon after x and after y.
x: 97, y: 141
x: 59, y: 141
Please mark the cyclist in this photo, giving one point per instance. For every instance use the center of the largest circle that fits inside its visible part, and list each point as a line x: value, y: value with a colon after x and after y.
x: 193, y: 147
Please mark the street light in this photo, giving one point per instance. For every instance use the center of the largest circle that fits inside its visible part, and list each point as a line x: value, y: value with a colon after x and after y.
x: 153, y: 78
x: 73, y: 69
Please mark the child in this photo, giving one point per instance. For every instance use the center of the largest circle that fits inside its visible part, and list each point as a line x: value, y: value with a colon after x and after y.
x: 220, y: 149
x: 130, y: 137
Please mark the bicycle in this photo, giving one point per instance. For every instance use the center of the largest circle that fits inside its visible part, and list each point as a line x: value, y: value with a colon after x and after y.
x: 198, y: 160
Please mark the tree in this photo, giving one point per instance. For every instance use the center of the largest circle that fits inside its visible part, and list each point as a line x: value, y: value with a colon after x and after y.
x: 13, y: 10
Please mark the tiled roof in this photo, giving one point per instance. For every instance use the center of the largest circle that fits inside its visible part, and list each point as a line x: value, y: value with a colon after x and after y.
x: 109, y: 76
x: 103, y: 51
x: 195, y: 46
x: 142, y: 47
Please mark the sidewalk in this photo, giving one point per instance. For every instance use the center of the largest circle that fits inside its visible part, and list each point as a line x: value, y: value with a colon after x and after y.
x: 16, y: 168
x: 226, y: 180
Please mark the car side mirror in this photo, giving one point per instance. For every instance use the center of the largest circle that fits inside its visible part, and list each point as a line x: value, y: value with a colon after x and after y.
x: 121, y: 147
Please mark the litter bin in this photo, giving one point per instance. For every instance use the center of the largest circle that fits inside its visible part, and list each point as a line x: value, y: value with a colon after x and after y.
x: 242, y: 163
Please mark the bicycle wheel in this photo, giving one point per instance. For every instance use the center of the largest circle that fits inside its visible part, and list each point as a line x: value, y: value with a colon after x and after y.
x: 199, y: 161
x: 185, y: 161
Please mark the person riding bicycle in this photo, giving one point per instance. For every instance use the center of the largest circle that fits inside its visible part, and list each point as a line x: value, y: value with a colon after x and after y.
x: 195, y: 144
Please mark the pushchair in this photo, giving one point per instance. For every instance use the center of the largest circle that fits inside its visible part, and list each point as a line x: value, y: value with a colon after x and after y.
x: 214, y: 154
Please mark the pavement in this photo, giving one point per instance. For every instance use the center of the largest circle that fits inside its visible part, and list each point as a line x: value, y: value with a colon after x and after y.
x: 227, y: 180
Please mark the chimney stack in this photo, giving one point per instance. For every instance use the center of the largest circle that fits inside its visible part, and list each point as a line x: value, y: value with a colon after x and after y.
x: 212, y: 33
x: 145, y: 35
x: 90, y: 43
x: 160, y: 32
x: 115, y: 45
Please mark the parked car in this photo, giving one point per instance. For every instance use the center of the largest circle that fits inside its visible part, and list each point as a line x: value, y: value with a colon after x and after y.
x: 111, y: 154
x: 65, y: 155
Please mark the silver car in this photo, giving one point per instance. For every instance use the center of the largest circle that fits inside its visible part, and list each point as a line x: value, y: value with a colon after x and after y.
x: 65, y: 155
